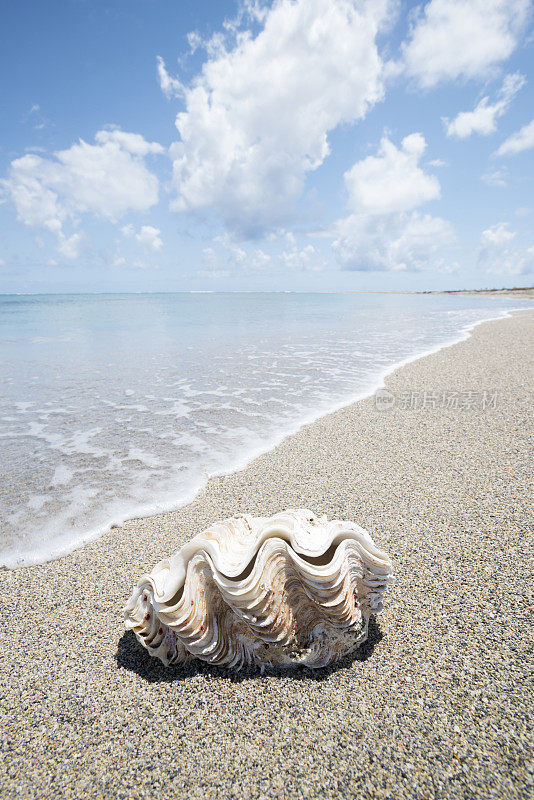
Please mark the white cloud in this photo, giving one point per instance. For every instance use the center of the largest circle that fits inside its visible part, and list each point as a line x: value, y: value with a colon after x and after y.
x: 150, y: 237
x: 523, y: 139
x: 236, y: 255
x: 393, y: 181
x: 385, y: 233
x: 258, y: 259
x: 35, y: 117
x: 28, y: 188
x: 307, y: 258
x: 107, y: 179
x: 194, y: 40
x: 497, y: 235
x: 133, y: 143
x: 69, y: 247
x: 497, y: 255
x: 215, y: 45
x: 397, y: 242
x: 483, y: 118
x: 170, y: 86
x: 454, y: 39
x: 258, y: 114
x: 498, y: 177
x: 449, y: 267
x: 228, y: 253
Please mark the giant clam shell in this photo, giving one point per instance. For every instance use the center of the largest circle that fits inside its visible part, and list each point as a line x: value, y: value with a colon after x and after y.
x: 286, y: 590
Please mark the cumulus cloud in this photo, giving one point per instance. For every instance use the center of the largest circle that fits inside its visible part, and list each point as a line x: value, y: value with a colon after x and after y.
x: 452, y: 39
x: 305, y: 258
x: 227, y: 253
x: 384, y: 232
x: 483, y: 118
x: 257, y: 117
x: 523, y: 139
x: 236, y: 254
x: 132, y: 143
x: 170, y: 86
x: 497, y: 235
x: 258, y: 259
x: 108, y: 179
x: 498, y: 255
x: 69, y: 246
x: 150, y: 237
x: 393, y: 180
x: 398, y: 242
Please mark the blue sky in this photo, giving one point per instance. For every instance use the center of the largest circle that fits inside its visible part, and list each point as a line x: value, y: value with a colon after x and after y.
x: 298, y: 145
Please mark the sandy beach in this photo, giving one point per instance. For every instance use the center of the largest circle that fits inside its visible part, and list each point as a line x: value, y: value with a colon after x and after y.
x: 437, y: 704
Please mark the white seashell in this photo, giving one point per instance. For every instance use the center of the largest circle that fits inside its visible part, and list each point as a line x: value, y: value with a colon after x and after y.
x: 286, y: 590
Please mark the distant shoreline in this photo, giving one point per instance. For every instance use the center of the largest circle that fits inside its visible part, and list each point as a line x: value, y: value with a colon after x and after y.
x: 515, y: 291
x: 520, y: 291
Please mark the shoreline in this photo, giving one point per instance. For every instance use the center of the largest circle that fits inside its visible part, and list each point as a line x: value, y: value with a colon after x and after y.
x: 60, y: 551
x: 518, y: 291
x: 512, y: 291
x: 436, y: 704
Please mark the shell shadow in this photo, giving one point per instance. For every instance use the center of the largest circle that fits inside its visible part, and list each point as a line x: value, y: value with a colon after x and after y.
x: 131, y: 656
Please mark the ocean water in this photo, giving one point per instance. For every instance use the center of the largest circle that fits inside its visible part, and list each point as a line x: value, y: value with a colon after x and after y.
x: 117, y: 406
